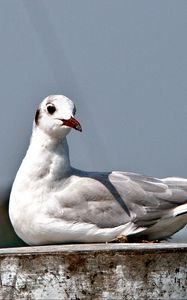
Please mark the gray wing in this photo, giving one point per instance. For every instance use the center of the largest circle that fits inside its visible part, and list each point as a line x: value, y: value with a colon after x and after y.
x: 148, y: 199
x: 116, y: 198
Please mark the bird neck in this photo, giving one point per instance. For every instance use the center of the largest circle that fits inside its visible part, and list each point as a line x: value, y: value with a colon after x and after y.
x: 48, y: 157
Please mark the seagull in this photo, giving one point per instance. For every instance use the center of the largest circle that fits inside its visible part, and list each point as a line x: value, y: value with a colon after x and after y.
x: 53, y: 203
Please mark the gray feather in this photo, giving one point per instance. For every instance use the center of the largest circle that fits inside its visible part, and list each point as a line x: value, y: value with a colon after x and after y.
x: 99, y: 197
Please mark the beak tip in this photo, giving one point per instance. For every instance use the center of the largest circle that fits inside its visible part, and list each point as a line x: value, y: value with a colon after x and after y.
x: 73, y: 123
x: 79, y: 128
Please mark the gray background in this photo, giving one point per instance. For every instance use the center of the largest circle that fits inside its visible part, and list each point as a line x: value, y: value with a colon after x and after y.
x: 124, y: 63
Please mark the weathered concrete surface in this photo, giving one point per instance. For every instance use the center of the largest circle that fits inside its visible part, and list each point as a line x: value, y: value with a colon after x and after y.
x: 102, y: 271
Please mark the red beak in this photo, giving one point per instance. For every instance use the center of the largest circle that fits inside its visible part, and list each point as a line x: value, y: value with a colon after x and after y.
x: 73, y: 123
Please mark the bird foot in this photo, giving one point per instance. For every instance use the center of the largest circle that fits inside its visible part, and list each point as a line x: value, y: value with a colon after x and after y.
x: 120, y: 239
x: 139, y: 240
x: 126, y: 239
x: 146, y: 241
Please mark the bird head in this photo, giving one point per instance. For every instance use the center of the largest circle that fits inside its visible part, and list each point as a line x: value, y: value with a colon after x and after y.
x: 55, y: 116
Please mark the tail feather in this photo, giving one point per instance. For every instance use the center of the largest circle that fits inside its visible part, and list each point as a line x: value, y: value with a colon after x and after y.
x: 180, y: 210
x: 176, y: 182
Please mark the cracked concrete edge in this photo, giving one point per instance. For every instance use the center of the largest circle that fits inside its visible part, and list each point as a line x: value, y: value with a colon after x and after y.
x: 83, y: 248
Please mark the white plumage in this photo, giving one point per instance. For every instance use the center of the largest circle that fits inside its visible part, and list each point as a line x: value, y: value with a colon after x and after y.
x: 52, y: 202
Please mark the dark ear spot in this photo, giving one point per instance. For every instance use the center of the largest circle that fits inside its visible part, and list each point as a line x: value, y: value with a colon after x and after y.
x: 37, y: 116
x: 74, y: 110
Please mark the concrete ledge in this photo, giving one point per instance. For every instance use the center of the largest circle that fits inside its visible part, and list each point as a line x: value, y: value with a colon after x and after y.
x: 94, y: 271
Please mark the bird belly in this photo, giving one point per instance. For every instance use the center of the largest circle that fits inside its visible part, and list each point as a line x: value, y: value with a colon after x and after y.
x: 44, y: 231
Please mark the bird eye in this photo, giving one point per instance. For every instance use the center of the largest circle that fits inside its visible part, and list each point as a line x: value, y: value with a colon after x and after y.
x: 51, y: 109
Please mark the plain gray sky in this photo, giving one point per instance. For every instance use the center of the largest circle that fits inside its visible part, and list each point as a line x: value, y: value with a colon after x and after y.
x: 124, y: 64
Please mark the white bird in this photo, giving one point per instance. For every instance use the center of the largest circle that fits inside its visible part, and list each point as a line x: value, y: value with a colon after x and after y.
x: 52, y: 202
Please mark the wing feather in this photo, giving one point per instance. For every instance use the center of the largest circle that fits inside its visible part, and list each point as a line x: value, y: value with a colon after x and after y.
x: 113, y: 199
